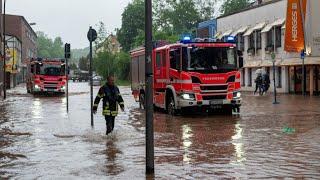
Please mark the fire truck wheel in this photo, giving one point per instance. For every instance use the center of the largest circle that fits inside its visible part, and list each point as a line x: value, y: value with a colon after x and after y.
x: 171, y: 106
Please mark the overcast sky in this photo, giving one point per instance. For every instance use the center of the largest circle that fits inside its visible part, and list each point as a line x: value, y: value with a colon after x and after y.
x: 69, y: 19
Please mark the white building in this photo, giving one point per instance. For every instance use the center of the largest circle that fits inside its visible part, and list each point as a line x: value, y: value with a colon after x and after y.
x: 261, y: 30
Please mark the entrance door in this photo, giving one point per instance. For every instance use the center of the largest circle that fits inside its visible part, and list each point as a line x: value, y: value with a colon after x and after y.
x: 292, y: 79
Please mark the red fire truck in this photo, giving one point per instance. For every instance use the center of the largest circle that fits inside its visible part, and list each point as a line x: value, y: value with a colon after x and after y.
x: 46, y: 75
x: 198, y: 75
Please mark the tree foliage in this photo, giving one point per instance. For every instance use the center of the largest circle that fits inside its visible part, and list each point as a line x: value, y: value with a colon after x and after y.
x: 132, y: 23
x: 83, y: 63
x: 231, y: 6
x: 171, y: 18
x: 49, y: 48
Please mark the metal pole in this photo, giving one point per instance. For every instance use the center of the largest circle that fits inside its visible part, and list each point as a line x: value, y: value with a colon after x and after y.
x: 304, y: 48
x: 4, y: 51
x: 67, y: 85
x: 90, y: 72
x: 149, y: 90
x: 274, y: 84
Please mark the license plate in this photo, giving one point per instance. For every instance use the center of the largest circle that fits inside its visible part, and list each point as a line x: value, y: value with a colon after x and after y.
x: 216, y: 102
x: 50, y: 90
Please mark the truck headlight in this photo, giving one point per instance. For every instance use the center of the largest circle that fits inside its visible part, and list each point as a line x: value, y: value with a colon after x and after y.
x: 37, y: 87
x: 237, y: 95
x: 63, y: 88
x: 188, y: 96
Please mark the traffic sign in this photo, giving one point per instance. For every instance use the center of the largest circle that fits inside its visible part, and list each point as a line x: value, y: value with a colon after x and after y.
x: 92, y: 34
x: 302, y: 54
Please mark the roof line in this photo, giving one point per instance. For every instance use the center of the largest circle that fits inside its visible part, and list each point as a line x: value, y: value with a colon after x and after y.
x: 249, y: 8
x: 25, y: 21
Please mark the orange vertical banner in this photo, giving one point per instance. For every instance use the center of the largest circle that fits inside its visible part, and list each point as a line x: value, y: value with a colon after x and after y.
x: 294, y: 37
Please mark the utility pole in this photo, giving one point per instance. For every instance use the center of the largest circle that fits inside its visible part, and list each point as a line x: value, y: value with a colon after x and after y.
x: 92, y: 36
x: 4, y: 51
x: 304, y: 48
x: 149, y: 91
x: 273, y: 56
x: 67, y: 55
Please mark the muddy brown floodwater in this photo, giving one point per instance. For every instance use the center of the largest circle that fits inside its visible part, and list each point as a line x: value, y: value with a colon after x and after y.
x: 38, y: 139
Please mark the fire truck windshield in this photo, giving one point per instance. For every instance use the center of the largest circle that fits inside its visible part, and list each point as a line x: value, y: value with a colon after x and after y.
x: 50, y: 70
x: 209, y: 59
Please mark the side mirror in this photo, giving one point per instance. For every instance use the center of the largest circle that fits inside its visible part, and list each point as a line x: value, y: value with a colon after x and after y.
x: 239, y: 53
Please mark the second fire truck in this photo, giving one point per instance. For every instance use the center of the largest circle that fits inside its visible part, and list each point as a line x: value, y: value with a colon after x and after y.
x: 191, y: 75
x: 46, y: 75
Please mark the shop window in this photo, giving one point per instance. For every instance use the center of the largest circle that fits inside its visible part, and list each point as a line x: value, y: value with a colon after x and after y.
x: 279, y: 77
x: 241, y: 42
x: 270, y: 39
x: 259, y: 43
x: 251, y: 41
x: 278, y: 36
x: 243, y: 78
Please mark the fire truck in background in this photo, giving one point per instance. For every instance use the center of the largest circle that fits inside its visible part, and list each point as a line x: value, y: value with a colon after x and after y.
x: 191, y: 75
x: 46, y: 75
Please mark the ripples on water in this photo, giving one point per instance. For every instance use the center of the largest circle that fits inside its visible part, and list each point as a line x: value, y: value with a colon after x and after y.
x: 253, y: 145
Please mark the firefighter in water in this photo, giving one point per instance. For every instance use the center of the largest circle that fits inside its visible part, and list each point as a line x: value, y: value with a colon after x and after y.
x: 110, y: 95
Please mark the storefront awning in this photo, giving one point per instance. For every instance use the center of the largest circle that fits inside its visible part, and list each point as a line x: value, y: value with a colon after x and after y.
x: 240, y: 30
x: 227, y: 33
x: 278, y: 22
x: 250, y: 64
x: 256, y: 27
x: 268, y: 63
x: 218, y: 34
x: 298, y: 61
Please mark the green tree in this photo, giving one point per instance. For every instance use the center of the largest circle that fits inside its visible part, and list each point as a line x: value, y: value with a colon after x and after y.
x: 102, y: 36
x: 123, y: 65
x: 104, y: 64
x: 73, y: 66
x: 132, y: 23
x: 231, y: 6
x: 48, y: 48
x: 83, y: 63
x: 176, y: 17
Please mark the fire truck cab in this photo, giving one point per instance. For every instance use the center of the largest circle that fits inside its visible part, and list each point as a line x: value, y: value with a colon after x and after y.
x: 46, y: 75
x: 191, y: 75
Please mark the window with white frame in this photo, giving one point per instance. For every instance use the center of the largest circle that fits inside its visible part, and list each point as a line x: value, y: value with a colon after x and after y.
x: 259, y: 42
x: 278, y: 36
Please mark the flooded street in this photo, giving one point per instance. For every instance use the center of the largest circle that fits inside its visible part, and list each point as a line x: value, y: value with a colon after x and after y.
x: 38, y: 139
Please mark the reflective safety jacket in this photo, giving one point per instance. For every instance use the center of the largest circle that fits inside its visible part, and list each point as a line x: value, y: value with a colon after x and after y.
x: 111, y: 98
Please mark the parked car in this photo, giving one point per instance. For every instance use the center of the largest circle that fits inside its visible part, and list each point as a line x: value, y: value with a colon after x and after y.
x: 96, y: 81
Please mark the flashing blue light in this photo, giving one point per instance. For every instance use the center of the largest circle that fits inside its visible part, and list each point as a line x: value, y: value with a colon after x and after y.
x: 231, y: 39
x: 186, y: 39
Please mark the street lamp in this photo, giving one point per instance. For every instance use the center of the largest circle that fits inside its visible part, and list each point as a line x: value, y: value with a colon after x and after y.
x: 273, y: 56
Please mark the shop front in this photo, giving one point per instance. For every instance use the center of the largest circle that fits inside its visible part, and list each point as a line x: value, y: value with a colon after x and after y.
x: 312, y: 81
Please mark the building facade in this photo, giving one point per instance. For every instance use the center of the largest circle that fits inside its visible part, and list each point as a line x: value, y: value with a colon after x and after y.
x: 260, y: 32
x: 13, y: 60
x: 18, y: 27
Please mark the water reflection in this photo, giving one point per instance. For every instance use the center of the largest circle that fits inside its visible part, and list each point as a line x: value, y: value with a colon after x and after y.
x: 112, y: 152
x: 36, y: 109
x: 186, y: 142
x: 237, y: 141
